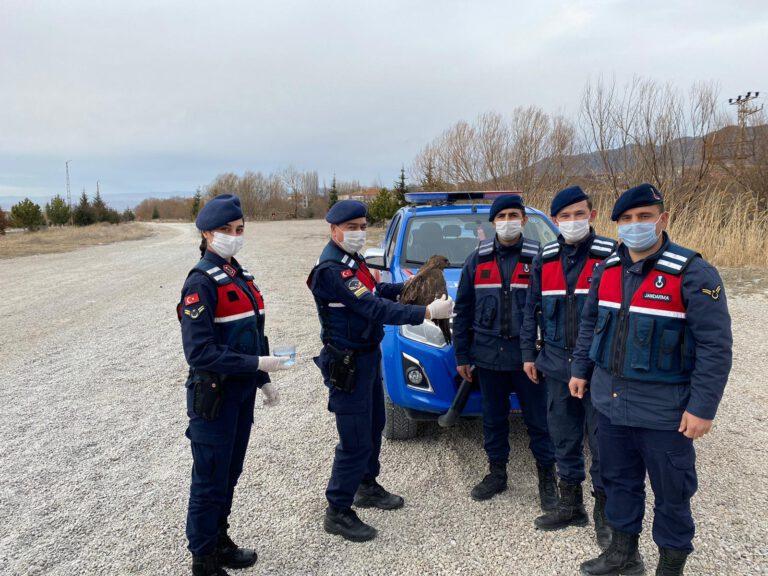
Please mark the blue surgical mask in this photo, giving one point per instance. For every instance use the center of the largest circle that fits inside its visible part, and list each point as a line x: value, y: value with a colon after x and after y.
x: 639, y: 236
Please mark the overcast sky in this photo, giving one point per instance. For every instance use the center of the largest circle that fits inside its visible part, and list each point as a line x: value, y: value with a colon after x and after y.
x: 157, y: 97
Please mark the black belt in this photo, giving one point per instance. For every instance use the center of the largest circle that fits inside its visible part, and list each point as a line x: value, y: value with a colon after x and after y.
x: 354, y: 351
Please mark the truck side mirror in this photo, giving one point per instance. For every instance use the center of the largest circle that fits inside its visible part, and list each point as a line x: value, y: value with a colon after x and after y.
x: 374, y: 258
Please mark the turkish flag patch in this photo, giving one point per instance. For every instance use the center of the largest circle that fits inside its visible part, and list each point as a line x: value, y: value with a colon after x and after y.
x: 192, y: 299
x: 347, y: 274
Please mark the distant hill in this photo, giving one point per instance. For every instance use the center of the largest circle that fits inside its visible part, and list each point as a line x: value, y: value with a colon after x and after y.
x: 724, y: 141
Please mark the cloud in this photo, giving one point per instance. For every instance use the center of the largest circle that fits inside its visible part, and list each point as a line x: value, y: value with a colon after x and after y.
x: 350, y: 87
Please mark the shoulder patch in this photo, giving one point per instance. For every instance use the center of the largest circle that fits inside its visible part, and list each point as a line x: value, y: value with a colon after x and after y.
x: 713, y: 293
x: 194, y: 313
x: 356, y: 287
x: 347, y: 273
x: 192, y: 299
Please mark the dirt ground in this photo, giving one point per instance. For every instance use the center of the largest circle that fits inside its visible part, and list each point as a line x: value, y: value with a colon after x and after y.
x: 94, y: 465
x: 65, y: 239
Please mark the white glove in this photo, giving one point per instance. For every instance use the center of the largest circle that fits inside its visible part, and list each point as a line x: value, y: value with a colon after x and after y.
x: 441, y: 308
x: 272, y: 363
x: 271, y: 395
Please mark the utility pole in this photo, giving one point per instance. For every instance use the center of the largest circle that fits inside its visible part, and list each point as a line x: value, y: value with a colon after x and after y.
x: 743, y: 111
x: 69, y: 195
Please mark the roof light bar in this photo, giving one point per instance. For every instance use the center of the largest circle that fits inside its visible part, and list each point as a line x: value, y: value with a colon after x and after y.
x: 450, y: 197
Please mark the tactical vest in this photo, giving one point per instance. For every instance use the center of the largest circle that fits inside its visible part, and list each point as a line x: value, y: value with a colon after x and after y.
x: 239, y: 315
x: 645, y: 337
x: 499, y: 308
x: 338, y: 325
x: 561, y: 307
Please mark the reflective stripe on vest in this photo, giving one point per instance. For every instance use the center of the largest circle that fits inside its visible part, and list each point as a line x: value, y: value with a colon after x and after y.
x: 488, y: 275
x: 651, y: 341
x: 660, y: 293
x: 561, y: 312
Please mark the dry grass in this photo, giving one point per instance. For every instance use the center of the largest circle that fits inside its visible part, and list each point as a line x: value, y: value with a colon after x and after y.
x: 727, y: 234
x: 68, y: 238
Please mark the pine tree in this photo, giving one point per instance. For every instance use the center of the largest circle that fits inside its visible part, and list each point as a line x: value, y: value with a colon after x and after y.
x: 57, y: 211
x: 196, y: 201
x: 3, y: 222
x: 155, y: 213
x: 27, y: 214
x: 333, y: 193
x: 128, y: 215
x: 400, y: 188
x: 83, y: 214
x: 99, y: 208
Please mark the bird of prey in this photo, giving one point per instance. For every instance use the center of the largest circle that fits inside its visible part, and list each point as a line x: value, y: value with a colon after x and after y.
x: 427, y: 285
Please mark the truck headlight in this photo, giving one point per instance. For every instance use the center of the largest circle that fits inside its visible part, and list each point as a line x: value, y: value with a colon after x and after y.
x: 426, y: 333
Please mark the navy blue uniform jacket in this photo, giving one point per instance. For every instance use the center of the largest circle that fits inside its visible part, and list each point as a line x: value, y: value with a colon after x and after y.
x: 658, y: 405
x: 484, y: 350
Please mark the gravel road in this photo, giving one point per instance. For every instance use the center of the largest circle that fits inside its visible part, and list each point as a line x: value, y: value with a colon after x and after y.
x: 94, y: 467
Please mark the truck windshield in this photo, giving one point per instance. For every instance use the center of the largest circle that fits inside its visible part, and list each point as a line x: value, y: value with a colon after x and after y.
x: 455, y: 236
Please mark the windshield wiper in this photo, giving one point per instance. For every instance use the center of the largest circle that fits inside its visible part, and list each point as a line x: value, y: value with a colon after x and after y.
x: 414, y: 262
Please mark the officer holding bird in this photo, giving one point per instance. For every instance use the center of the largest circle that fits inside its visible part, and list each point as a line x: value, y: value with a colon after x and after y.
x: 353, y: 309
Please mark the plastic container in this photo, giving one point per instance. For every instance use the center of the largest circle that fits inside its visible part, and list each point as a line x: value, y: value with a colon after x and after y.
x: 286, y: 351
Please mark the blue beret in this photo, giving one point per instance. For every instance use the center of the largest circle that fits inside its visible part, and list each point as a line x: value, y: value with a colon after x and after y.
x: 504, y: 202
x: 346, y: 210
x: 566, y: 197
x: 643, y: 195
x: 219, y: 211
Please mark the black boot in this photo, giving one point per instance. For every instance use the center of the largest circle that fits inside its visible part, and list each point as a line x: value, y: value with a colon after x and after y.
x: 346, y: 524
x: 494, y: 482
x: 547, y: 487
x: 569, y: 512
x: 602, y: 530
x: 371, y: 494
x: 671, y: 562
x: 622, y: 558
x: 207, y: 566
x: 230, y: 554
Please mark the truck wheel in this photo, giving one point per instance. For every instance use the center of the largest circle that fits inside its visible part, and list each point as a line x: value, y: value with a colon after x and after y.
x: 398, y: 426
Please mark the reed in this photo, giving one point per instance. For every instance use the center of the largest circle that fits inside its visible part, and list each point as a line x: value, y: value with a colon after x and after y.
x: 727, y: 232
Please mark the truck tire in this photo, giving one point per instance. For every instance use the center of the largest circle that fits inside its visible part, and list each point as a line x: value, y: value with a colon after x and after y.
x: 398, y: 426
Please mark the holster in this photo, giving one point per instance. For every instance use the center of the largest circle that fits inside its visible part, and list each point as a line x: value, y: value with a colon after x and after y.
x: 341, y: 368
x: 207, y: 394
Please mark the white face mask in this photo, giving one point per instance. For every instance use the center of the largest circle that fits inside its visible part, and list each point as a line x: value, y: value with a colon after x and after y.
x: 225, y: 245
x: 508, y: 229
x: 574, y: 230
x: 354, y: 240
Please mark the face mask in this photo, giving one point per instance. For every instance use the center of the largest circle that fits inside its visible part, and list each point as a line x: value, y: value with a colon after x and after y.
x: 353, y: 241
x: 508, y: 229
x: 639, y: 236
x: 225, y: 245
x: 574, y: 230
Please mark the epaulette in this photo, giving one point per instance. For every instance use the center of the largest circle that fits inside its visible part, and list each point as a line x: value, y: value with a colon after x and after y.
x: 602, y: 247
x: 550, y: 250
x: 529, y: 250
x: 215, y: 273
x: 675, y: 259
x: 485, y: 248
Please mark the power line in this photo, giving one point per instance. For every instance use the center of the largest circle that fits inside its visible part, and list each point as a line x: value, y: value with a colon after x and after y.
x: 743, y: 111
x: 69, y: 195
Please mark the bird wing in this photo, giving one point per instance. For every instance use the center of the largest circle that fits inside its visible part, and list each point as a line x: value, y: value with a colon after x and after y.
x: 409, y: 293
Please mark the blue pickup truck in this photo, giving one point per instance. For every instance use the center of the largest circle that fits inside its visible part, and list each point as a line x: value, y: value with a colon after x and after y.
x: 419, y: 368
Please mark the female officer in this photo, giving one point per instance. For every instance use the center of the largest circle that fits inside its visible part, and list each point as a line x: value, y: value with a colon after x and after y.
x: 222, y: 329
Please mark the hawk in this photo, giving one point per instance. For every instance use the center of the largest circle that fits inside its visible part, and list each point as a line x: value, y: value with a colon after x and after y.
x: 427, y: 285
